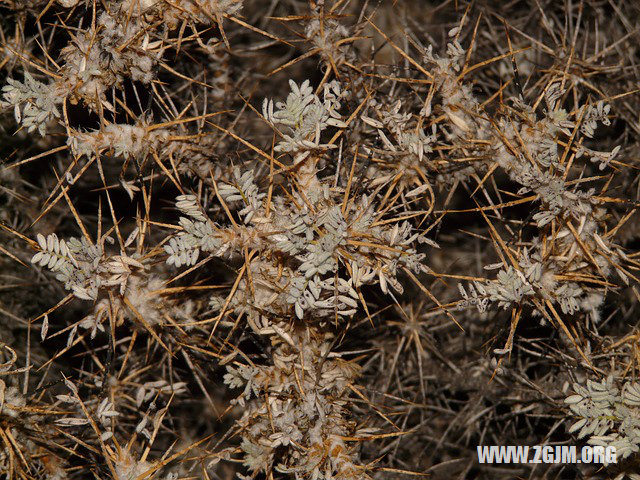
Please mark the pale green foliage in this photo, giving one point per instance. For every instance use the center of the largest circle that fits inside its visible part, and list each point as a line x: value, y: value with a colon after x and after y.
x: 76, y: 263
x: 197, y: 235
x: 305, y: 116
x: 607, y: 415
x: 34, y: 103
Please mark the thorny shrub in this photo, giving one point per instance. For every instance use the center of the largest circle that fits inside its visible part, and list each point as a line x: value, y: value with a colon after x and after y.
x: 324, y: 240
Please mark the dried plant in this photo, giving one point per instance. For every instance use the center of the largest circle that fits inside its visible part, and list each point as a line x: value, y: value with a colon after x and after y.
x: 325, y: 240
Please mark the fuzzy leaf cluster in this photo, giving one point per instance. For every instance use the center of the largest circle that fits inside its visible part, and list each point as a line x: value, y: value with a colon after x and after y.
x: 304, y: 116
x: 33, y: 102
x: 197, y: 234
x: 607, y: 415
